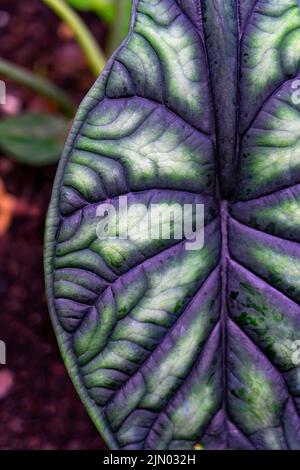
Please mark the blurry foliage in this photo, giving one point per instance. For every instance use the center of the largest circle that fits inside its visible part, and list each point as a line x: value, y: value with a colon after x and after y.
x: 106, y: 9
x: 38, y: 139
x: 38, y: 84
x: 114, y: 12
x: 91, y: 49
x: 120, y: 25
x: 34, y: 139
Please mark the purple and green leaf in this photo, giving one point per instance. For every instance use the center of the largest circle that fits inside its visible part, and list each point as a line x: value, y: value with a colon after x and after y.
x: 169, y: 348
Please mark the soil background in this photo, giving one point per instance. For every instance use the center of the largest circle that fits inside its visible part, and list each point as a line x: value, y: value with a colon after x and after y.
x: 39, y: 408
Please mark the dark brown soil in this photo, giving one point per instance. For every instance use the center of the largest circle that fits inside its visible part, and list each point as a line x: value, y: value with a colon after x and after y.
x: 39, y: 409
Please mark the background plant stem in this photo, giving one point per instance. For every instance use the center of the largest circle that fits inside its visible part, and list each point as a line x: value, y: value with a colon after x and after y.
x: 91, y: 49
x: 38, y: 84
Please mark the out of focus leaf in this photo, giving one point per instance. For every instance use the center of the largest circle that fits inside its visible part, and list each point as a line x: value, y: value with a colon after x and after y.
x: 33, y: 139
x: 106, y: 9
x: 38, y: 84
x: 95, y: 56
x: 120, y: 26
x: 114, y: 12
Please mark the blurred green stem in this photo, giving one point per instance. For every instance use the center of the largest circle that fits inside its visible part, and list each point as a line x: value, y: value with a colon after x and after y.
x: 119, y: 27
x: 38, y: 84
x: 94, y: 54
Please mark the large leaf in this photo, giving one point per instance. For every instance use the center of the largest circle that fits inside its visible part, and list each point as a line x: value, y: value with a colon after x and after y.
x: 33, y: 139
x: 170, y: 348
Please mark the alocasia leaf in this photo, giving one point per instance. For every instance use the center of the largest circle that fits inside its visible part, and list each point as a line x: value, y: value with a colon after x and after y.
x: 170, y: 348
